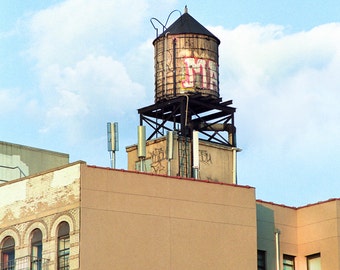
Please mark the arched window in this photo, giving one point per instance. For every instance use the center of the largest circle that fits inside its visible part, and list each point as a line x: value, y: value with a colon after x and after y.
x: 8, y: 254
x: 63, y: 246
x: 36, y: 250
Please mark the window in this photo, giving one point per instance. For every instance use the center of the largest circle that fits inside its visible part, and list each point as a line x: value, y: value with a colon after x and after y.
x: 314, y: 262
x: 63, y: 246
x: 8, y: 254
x: 36, y: 250
x: 261, y: 260
x: 288, y: 262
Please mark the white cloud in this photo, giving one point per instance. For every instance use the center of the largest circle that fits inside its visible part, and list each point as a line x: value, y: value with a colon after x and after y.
x: 73, y: 29
x: 82, y: 51
x: 288, y: 81
x: 89, y: 92
x: 140, y: 65
x: 286, y: 90
x: 10, y: 100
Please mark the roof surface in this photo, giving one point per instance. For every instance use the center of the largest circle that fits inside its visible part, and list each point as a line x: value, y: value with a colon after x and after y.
x: 186, y: 24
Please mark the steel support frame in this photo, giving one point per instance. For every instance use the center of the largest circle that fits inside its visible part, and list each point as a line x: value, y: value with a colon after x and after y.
x: 186, y: 113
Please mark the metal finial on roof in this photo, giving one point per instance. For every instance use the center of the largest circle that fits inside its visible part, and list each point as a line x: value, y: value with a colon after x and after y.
x: 186, y: 9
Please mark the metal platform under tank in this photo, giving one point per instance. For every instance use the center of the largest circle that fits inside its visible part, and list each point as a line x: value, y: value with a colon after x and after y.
x: 213, y: 118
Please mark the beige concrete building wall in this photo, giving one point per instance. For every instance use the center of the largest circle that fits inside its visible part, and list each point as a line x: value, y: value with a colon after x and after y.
x: 265, y: 234
x: 130, y: 220
x: 319, y: 233
x: 19, y: 161
x: 42, y: 202
x: 304, y: 231
x: 140, y: 221
x: 271, y: 219
x: 216, y: 162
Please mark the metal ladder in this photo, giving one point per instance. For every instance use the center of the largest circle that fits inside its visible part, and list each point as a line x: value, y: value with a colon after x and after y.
x: 184, y: 156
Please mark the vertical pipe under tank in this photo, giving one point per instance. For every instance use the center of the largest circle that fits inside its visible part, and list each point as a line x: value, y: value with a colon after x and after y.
x: 195, y: 153
x: 169, y: 149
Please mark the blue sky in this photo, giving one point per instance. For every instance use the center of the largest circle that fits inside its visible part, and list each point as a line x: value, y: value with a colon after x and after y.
x: 68, y: 67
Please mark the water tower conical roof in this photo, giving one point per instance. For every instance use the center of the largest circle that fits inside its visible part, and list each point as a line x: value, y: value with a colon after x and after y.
x: 186, y: 24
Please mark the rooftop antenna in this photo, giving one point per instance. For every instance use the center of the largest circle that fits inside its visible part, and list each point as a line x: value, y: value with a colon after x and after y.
x: 112, y: 142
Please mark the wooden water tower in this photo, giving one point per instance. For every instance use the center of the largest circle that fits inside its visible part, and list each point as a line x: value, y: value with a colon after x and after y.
x: 187, y: 95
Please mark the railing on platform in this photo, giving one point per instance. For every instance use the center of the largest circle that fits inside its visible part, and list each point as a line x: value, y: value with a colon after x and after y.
x: 25, y: 263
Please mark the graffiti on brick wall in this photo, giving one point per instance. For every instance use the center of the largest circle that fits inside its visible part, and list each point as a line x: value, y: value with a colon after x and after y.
x: 205, y: 157
x: 200, y: 73
x: 157, y: 158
